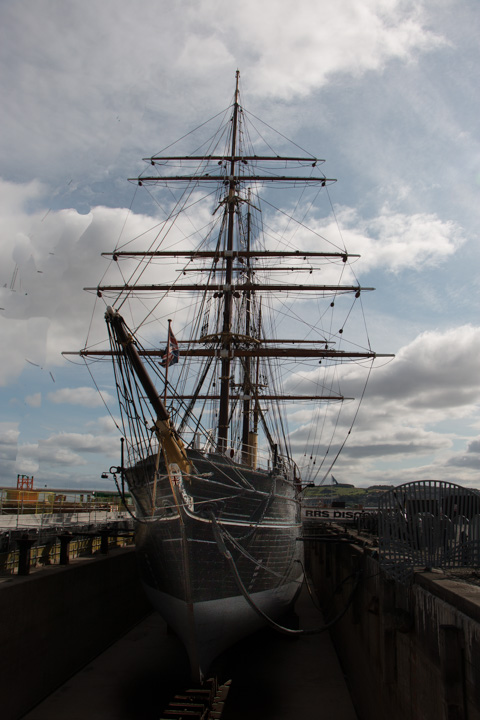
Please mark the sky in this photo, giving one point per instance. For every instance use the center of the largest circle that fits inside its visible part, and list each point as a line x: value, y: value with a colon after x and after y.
x: 385, y: 90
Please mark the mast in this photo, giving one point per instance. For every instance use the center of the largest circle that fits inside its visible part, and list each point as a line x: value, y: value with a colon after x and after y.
x: 167, y: 362
x: 226, y: 364
x: 233, y: 343
x: 247, y: 384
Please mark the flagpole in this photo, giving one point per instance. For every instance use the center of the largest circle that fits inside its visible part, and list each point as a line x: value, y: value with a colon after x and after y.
x: 168, y: 362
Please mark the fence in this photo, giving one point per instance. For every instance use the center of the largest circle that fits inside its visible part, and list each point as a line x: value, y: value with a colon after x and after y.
x: 19, y: 550
x: 26, y: 509
x: 429, y: 524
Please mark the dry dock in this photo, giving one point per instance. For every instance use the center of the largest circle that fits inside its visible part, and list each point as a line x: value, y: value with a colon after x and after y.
x: 273, y: 676
x: 81, y: 641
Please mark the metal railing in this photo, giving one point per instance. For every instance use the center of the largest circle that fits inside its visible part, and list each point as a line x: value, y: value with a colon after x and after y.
x: 428, y: 524
x: 46, y: 508
x: 47, y: 550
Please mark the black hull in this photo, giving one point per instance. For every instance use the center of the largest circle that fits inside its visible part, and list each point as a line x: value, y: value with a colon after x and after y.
x: 203, y: 543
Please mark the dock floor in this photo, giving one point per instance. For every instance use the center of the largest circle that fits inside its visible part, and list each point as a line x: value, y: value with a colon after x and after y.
x: 274, y: 677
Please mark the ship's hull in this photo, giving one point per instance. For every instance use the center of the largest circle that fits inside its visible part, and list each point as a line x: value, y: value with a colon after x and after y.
x: 208, y: 628
x: 217, y: 550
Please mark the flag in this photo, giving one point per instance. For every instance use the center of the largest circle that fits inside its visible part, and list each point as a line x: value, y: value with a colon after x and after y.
x: 170, y: 354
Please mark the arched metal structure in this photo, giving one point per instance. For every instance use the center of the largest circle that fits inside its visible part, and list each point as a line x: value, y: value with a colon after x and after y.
x: 428, y: 523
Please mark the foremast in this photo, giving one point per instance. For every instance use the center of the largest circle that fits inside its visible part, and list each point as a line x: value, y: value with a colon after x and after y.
x: 249, y: 434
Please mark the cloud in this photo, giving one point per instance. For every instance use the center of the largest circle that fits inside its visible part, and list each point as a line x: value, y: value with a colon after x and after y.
x: 317, y: 41
x: 395, y: 241
x: 465, y: 461
x: 85, y: 396
x: 75, y: 441
x: 417, y: 411
x: 470, y: 459
x: 105, y: 425
x: 65, y: 458
x: 59, y: 253
x: 9, y: 434
x: 79, y: 112
x: 27, y: 459
x: 437, y: 371
x: 61, y: 456
x: 389, y: 241
x: 286, y: 50
x: 434, y: 376
x: 420, y: 444
x: 64, y: 450
x: 474, y: 447
x: 34, y: 400
x: 47, y: 260
x: 414, y: 241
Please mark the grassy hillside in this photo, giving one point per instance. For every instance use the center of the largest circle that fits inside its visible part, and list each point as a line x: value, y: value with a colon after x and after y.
x: 349, y: 495
x: 330, y: 490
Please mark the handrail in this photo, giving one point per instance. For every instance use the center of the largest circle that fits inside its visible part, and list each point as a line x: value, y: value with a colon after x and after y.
x: 49, y: 551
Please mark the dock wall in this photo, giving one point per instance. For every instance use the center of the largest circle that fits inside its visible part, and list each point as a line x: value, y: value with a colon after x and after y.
x: 408, y: 651
x: 56, y: 620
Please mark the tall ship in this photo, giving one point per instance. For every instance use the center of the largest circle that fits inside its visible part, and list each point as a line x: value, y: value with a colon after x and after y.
x: 218, y: 325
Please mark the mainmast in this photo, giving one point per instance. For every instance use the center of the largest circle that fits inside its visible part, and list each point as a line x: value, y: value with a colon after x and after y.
x: 230, y: 343
x: 226, y: 364
x: 247, y: 438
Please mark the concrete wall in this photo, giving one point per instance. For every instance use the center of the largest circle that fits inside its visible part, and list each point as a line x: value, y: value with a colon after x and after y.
x: 56, y: 620
x: 408, y: 652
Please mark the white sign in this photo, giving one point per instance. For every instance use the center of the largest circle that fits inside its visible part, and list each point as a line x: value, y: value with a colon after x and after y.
x: 310, y: 514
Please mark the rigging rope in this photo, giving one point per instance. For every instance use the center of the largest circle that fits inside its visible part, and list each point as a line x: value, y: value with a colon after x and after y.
x: 217, y: 531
